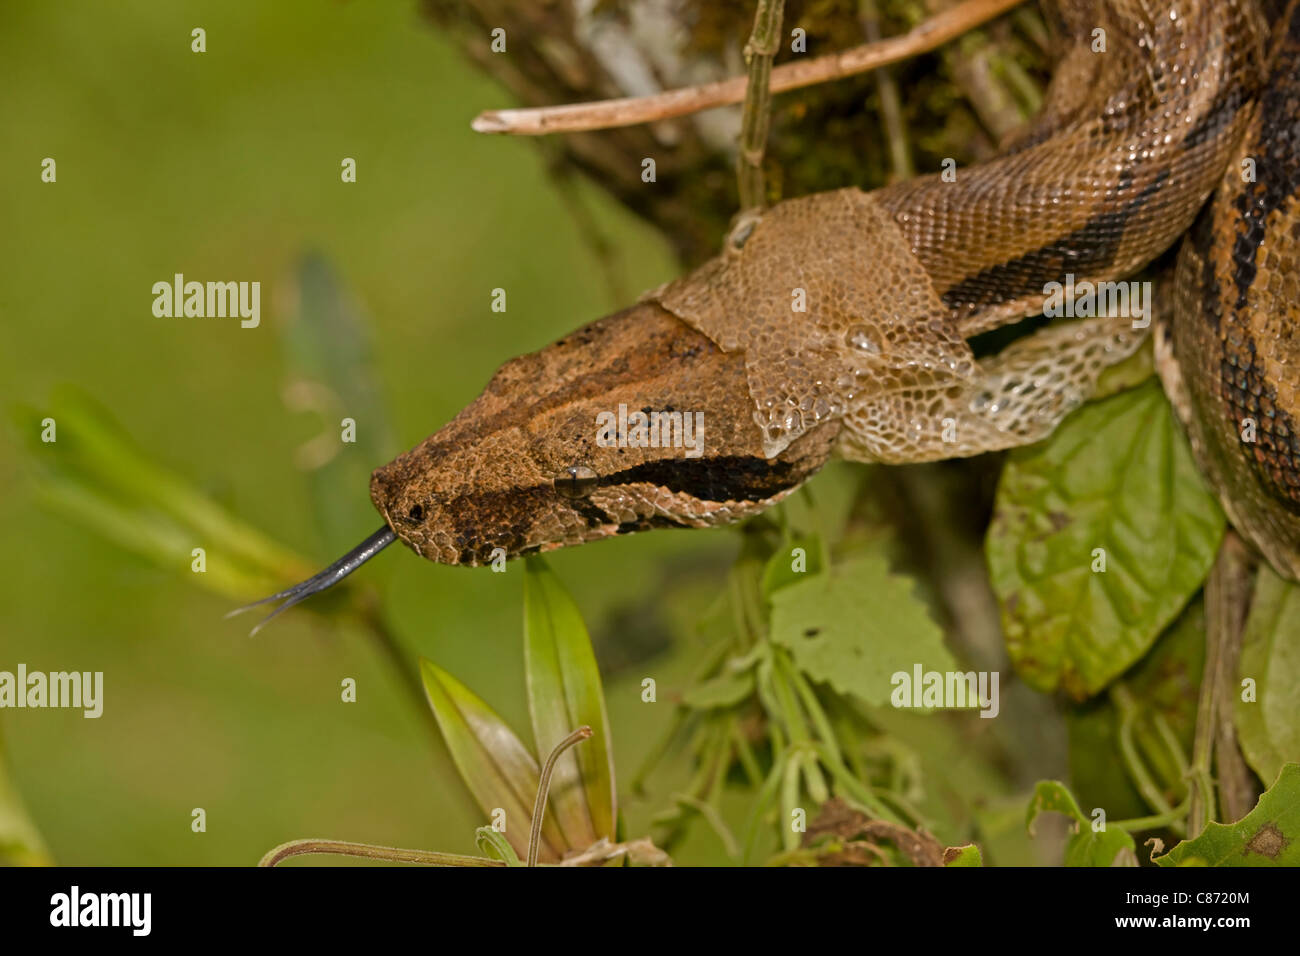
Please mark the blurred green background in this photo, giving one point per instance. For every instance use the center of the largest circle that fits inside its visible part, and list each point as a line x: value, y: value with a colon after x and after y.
x: 225, y: 165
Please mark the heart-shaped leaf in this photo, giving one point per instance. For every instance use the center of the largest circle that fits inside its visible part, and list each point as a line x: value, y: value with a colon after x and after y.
x: 856, y: 626
x: 1267, y: 836
x: 1108, y: 846
x: 1100, y: 535
x: 968, y: 855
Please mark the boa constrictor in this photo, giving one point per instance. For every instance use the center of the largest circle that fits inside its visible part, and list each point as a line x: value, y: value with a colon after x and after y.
x: 838, y: 323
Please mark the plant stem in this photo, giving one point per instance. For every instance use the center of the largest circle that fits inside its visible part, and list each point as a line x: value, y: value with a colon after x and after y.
x: 544, y: 785
x: 796, y: 726
x: 766, y: 795
x: 1173, y: 820
x: 861, y: 791
x: 709, y: 813
x: 814, y: 708
x: 1137, y: 771
x: 891, y: 108
x: 660, y: 748
x: 757, y: 112
x: 745, y: 753
x: 1170, y: 740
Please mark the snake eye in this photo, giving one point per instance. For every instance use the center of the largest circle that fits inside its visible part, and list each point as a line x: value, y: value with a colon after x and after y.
x: 576, y: 481
x: 416, y: 513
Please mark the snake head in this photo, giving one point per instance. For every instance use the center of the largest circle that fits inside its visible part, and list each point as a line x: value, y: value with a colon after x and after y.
x: 635, y: 421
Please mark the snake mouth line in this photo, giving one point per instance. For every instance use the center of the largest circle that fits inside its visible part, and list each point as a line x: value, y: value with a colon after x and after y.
x: 322, y: 580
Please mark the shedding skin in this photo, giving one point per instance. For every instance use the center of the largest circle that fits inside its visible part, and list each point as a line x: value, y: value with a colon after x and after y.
x: 521, y: 468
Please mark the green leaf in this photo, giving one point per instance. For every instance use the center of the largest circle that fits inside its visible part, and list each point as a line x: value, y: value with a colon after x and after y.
x: 856, y: 626
x: 96, y: 476
x: 792, y: 561
x: 1116, y: 476
x: 564, y: 692
x: 20, y: 841
x: 327, y: 346
x: 968, y: 855
x: 1051, y: 796
x: 496, y: 767
x: 1085, y: 847
x: 1268, y: 727
x: 725, y: 690
x: 1110, y: 847
x: 492, y: 844
x: 1267, y: 836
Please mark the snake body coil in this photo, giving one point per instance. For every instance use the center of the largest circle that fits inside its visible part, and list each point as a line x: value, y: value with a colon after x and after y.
x: 1230, y: 359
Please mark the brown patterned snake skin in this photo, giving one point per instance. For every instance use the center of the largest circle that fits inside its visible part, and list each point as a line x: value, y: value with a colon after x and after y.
x: 1230, y: 359
x: 837, y: 323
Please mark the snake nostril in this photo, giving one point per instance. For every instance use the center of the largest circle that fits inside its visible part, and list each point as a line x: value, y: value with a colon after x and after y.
x: 416, y: 513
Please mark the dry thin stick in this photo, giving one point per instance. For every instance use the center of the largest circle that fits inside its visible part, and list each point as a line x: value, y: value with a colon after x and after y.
x: 1236, y: 792
x: 975, y: 75
x: 604, y: 114
x: 757, y: 114
x: 1226, y: 591
x: 371, y: 852
x: 642, y: 851
x: 891, y: 103
x: 544, y: 784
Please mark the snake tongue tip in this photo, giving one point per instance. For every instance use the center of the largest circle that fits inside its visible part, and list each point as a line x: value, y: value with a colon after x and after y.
x: 322, y: 580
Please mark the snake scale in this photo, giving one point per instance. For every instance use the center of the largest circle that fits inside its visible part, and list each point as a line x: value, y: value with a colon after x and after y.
x: 839, y: 323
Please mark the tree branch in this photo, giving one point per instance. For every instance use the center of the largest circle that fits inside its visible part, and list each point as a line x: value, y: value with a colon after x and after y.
x: 629, y: 111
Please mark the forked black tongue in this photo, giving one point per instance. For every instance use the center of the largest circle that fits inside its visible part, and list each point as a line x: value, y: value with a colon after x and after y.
x: 331, y: 576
